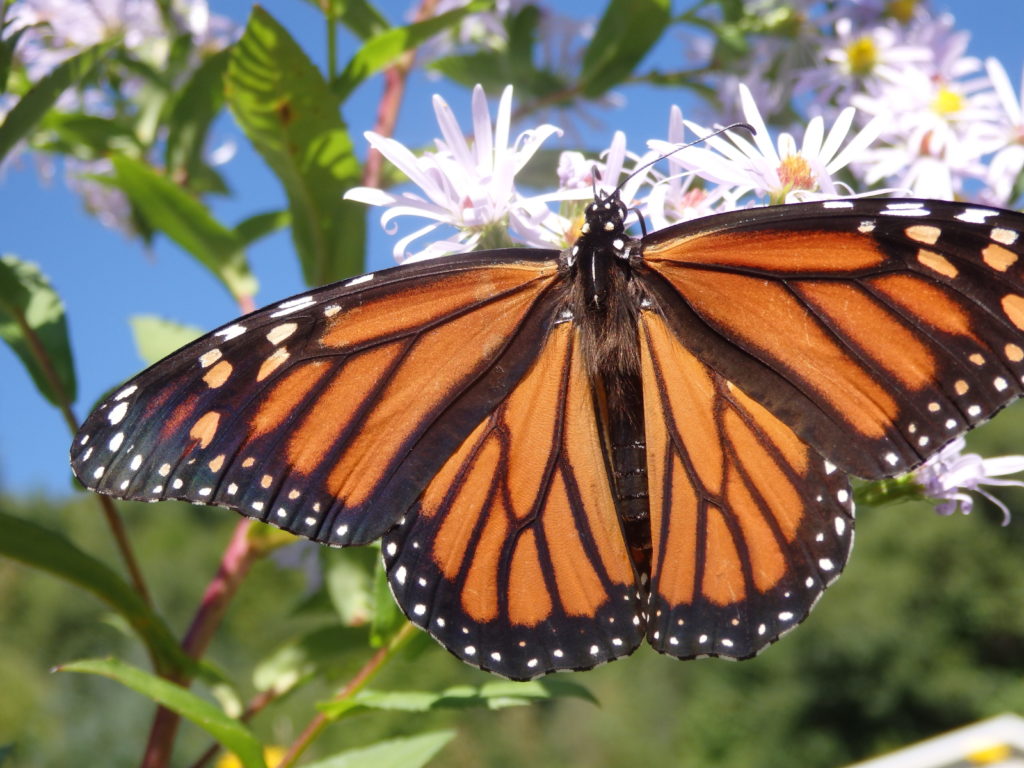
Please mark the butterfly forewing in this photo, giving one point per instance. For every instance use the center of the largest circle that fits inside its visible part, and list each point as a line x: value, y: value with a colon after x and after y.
x: 877, y: 330
x: 514, y: 556
x: 321, y: 414
x: 748, y: 524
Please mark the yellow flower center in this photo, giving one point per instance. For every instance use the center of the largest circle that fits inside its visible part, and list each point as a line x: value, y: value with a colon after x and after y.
x: 795, y: 173
x: 947, y: 102
x: 990, y: 755
x: 901, y: 10
x: 862, y: 56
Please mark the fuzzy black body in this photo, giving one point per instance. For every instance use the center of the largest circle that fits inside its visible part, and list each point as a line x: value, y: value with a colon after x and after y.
x: 604, y: 299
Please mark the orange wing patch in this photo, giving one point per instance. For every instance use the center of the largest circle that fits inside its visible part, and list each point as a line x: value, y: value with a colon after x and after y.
x: 520, y: 560
x: 748, y: 524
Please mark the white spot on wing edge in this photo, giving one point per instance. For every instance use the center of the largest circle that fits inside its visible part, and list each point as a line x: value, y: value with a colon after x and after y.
x: 360, y: 280
x: 117, y: 413
x: 974, y: 215
x: 126, y: 392
x: 837, y: 204
x: 229, y: 333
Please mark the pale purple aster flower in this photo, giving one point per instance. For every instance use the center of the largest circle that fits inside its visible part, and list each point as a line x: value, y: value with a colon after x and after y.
x: 468, y: 187
x: 782, y: 172
x: 674, y: 197
x: 579, y: 177
x: 952, y: 475
x: 104, y: 201
x: 1007, y: 164
x: 481, y: 30
x: 66, y: 27
x: 857, y: 55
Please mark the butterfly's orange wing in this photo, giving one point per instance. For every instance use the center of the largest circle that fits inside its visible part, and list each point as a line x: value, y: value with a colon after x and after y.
x: 748, y: 523
x: 326, y: 414
x: 514, y: 557
x: 877, y: 330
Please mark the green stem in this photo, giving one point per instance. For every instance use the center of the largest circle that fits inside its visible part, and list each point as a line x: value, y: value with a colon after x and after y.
x: 356, y: 684
x: 332, y: 41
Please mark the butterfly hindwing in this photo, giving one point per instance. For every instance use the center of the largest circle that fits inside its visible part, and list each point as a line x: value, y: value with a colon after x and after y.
x: 748, y: 524
x: 878, y: 330
x: 514, y: 557
x: 327, y: 413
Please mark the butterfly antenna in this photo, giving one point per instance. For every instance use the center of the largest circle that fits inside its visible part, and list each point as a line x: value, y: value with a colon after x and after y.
x: 645, y: 166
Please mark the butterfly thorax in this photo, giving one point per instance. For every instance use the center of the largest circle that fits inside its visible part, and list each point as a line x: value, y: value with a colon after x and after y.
x: 603, y: 297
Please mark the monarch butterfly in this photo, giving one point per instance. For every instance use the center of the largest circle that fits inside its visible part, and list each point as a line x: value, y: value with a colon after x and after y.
x: 568, y: 452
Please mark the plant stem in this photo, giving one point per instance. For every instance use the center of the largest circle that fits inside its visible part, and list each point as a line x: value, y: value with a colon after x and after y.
x: 234, y: 566
x: 353, y: 686
x: 332, y: 41
x: 395, y: 78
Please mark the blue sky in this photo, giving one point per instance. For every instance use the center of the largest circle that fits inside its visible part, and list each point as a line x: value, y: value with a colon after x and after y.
x: 104, y: 278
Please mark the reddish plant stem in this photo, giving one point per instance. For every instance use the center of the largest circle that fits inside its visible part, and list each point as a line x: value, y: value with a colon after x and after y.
x: 395, y: 78
x: 234, y: 566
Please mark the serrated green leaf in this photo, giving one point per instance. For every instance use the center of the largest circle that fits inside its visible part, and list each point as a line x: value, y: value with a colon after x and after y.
x: 32, y: 323
x: 262, y: 224
x: 498, y: 694
x: 387, y: 617
x: 286, y: 109
x: 626, y: 32
x: 229, y: 733
x: 382, y: 50
x: 325, y: 653
x: 408, y: 752
x: 47, y: 550
x: 30, y: 109
x: 156, y: 337
x: 193, y: 109
x: 172, y: 210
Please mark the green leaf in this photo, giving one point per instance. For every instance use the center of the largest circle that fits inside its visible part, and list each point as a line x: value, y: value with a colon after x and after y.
x: 407, y: 752
x: 498, y: 694
x: 32, y: 323
x: 286, y: 109
x: 383, y: 50
x: 229, y: 733
x: 360, y: 17
x: 7, y: 46
x: 349, y: 580
x: 626, y: 32
x: 78, y: 134
x: 24, y: 116
x: 326, y: 653
x: 172, y: 210
x: 262, y: 224
x: 387, y: 617
x: 488, y: 68
x: 156, y: 337
x: 192, y: 111
x: 41, y: 548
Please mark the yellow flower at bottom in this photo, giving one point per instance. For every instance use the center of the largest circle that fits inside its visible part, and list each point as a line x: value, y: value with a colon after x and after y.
x: 272, y: 755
